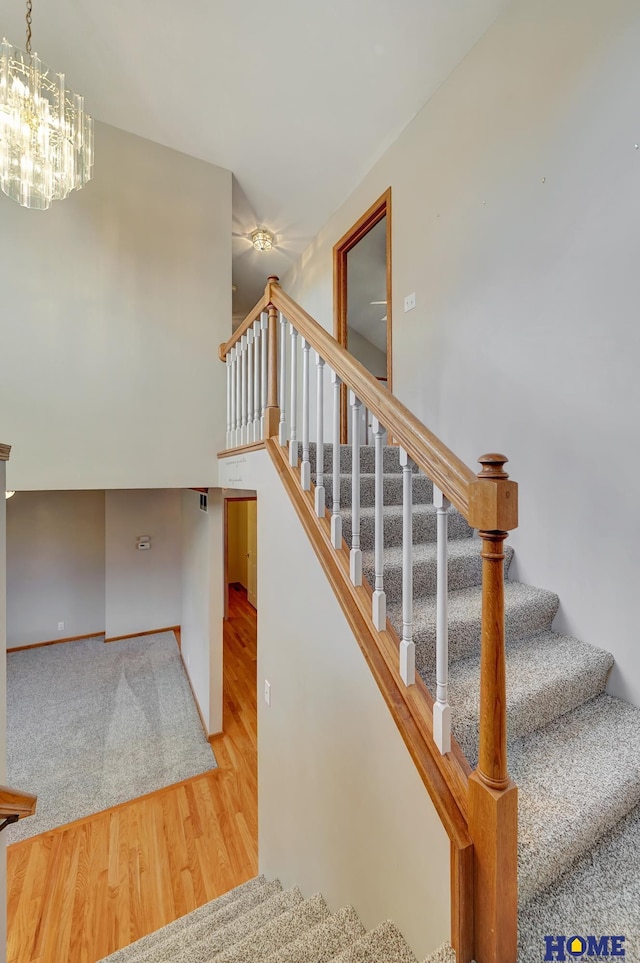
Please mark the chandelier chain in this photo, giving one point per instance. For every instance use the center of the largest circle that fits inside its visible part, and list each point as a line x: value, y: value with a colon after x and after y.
x: 29, y: 11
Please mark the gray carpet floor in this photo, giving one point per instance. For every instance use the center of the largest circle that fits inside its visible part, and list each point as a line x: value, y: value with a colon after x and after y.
x: 91, y: 725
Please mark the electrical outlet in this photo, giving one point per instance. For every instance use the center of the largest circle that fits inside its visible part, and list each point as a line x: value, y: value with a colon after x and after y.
x: 410, y: 302
x: 60, y: 626
x: 267, y: 692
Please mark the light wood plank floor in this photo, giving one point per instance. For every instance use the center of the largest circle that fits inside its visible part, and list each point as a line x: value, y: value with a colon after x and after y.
x: 79, y: 892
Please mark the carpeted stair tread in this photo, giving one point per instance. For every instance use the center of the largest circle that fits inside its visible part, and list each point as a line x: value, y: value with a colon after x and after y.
x: 199, y: 941
x: 527, y: 610
x: 599, y: 894
x: 424, y: 525
x: 322, y: 943
x: 276, y: 934
x: 547, y: 675
x: 577, y: 777
x: 214, y: 914
x: 464, y: 569
x: 384, y: 944
x: 390, y: 458
x: 444, y: 954
x: 422, y: 489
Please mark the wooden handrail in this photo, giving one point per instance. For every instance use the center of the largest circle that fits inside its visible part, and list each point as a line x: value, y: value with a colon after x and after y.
x: 5, y: 451
x: 14, y: 802
x: 262, y: 305
x: 444, y: 468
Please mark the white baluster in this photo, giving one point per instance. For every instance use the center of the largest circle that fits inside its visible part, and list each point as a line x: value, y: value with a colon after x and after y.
x: 282, y: 381
x: 355, y: 558
x: 379, y: 600
x: 243, y: 389
x: 228, y: 366
x: 250, y: 385
x: 305, y: 467
x: 320, y: 496
x: 255, y: 416
x: 336, y: 517
x: 232, y: 355
x: 407, y: 645
x: 293, y: 442
x: 264, y: 323
x: 441, y: 707
x: 237, y: 367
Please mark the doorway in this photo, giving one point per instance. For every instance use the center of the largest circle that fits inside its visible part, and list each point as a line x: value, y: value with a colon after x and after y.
x: 241, y: 549
x: 362, y: 297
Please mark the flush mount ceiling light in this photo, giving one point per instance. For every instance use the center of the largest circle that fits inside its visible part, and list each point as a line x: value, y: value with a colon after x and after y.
x: 262, y: 239
x: 9, y: 494
x: 46, y: 139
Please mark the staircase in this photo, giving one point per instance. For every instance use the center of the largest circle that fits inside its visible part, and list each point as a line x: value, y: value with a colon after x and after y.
x: 574, y: 751
x: 259, y: 922
x: 556, y: 783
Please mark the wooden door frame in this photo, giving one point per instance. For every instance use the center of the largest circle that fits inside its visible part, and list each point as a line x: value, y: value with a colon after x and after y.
x: 225, y: 566
x: 379, y: 209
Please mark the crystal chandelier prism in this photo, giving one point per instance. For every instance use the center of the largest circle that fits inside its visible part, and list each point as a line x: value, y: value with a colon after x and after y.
x: 46, y: 138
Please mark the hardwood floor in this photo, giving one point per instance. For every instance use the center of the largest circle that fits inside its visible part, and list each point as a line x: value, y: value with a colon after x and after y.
x: 79, y: 892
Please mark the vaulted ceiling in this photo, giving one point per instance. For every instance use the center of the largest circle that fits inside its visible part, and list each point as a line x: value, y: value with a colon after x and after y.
x: 298, y: 99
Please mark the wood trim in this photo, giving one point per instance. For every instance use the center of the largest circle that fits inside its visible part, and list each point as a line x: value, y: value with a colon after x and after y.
x: 39, y: 645
x: 379, y: 209
x: 445, y: 777
x: 253, y: 315
x: 462, y: 919
x: 5, y: 452
x: 134, y: 635
x: 241, y: 449
x: 177, y: 631
x: 14, y: 801
x: 444, y: 468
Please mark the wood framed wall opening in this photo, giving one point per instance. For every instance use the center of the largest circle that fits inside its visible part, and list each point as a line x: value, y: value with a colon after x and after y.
x: 379, y: 211
x: 247, y: 557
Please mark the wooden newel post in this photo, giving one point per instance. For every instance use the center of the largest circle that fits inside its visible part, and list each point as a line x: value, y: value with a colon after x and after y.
x: 493, y: 797
x: 272, y: 411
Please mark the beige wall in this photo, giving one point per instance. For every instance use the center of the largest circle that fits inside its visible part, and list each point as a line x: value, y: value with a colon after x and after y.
x: 143, y: 588
x: 3, y: 713
x: 515, y: 222
x: 341, y: 807
x: 237, y: 531
x: 202, y: 609
x: 55, y: 565
x: 114, y: 304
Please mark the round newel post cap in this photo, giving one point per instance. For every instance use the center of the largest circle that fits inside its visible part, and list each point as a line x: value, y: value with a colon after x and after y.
x: 493, y: 466
x: 273, y: 277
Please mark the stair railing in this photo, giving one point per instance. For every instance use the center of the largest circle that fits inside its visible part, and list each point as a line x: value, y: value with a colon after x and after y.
x: 15, y: 805
x: 488, y: 502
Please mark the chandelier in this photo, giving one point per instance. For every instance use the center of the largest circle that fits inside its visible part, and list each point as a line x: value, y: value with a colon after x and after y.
x: 46, y: 139
x: 262, y: 239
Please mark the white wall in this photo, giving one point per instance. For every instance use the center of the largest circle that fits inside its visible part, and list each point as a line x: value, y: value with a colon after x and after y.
x: 516, y: 221
x: 341, y: 807
x: 203, y: 601
x: 143, y: 588
x: 3, y: 711
x: 367, y: 354
x: 114, y: 304
x: 55, y: 565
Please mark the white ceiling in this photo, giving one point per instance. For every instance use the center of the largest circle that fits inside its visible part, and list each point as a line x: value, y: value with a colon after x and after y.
x: 298, y: 99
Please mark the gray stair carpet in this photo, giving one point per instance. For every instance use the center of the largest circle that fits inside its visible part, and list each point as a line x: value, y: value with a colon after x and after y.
x: 282, y: 928
x: 573, y: 751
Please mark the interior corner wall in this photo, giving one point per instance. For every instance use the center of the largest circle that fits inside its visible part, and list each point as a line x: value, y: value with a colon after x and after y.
x: 341, y: 808
x: 114, y: 303
x: 202, y: 602
x: 55, y: 565
x: 516, y: 222
x: 3, y: 710
x: 143, y: 589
